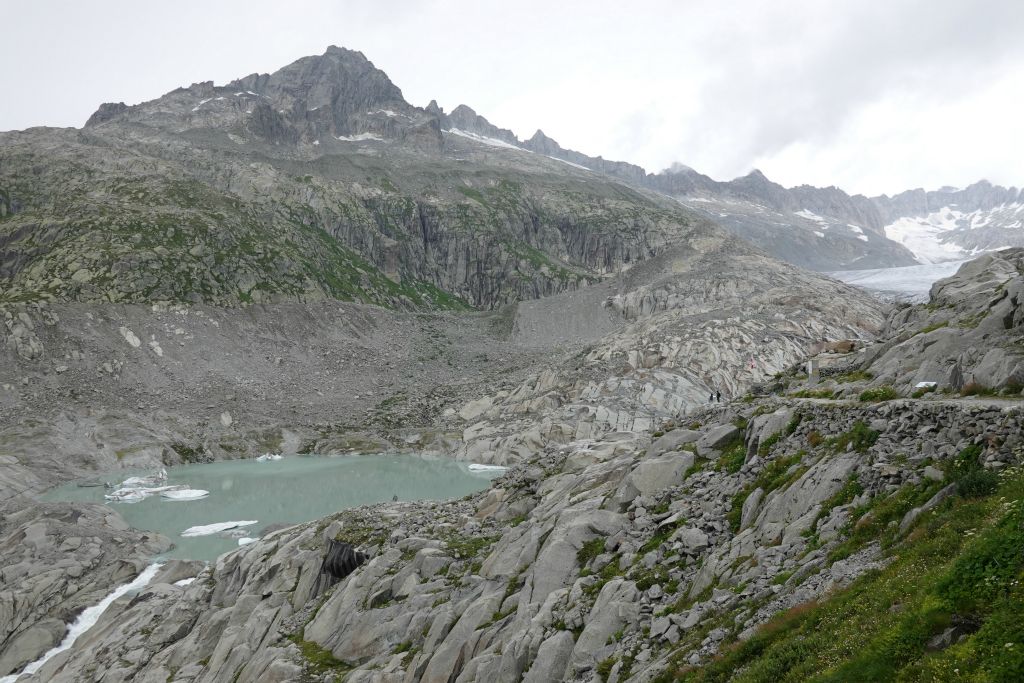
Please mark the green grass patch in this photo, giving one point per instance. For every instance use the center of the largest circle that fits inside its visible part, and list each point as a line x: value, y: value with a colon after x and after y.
x: 973, y: 480
x: 877, y: 394
x: 766, y: 446
x: 919, y: 393
x: 977, y: 389
x: 590, y: 550
x: 931, y: 328
x: 776, y: 474
x: 860, y: 437
x: 733, y: 458
x: 463, y: 547
x: 813, y: 393
x: 318, y: 660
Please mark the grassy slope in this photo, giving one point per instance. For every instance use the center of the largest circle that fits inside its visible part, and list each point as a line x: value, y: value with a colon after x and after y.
x: 960, y: 565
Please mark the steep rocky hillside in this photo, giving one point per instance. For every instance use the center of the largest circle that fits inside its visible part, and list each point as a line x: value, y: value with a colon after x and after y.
x: 317, y: 181
x: 656, y: 343
x: 797, y: 536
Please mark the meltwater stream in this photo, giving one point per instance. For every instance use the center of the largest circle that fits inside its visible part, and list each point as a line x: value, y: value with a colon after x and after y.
x: 85, y: 621
x: 292, y: 490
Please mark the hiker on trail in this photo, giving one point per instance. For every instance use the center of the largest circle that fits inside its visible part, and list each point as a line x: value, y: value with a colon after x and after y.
x: 718, y: 396
x: 711, y: 397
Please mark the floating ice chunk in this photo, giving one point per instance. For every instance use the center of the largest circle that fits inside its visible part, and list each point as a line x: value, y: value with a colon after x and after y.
x: 153, y: 480
x: 135, y: 493
x: 477, y: 467
x: 125, y: 495
x: 210, y: 529
x: 269, y: 456
x: 246, y: 540
x: 185, y: 494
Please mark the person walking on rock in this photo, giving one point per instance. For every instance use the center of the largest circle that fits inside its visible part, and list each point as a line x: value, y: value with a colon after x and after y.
x: 718, y: 396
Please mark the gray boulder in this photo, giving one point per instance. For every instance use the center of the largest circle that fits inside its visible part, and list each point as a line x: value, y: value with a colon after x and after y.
x: 715, y: 439
x: 672, y: 441
x: 552, y: 659
x: 654, y: 475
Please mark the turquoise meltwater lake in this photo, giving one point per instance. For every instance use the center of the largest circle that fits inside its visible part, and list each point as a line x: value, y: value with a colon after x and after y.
x: 288, y: 491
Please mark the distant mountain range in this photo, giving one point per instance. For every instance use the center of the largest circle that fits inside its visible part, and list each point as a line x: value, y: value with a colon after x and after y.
x: 819, y: 228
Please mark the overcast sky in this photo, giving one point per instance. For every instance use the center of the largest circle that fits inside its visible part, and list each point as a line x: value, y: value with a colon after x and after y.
x: 870, y: 95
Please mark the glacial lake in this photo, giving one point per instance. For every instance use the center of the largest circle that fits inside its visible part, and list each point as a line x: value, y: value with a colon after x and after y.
x: 291, y: 490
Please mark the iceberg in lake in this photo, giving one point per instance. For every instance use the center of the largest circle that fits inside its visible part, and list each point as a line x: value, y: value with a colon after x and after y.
x: 269, y: 456
x: 133, y: 494
x: 144, y: 482
x: 185, y: 494
x: 477, y: 467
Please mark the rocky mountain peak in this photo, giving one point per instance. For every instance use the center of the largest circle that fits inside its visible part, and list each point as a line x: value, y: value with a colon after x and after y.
x: 543, y: 144
x: 465, y: 118
x: 757, y: 176
x: 434, y: 108
x: 106, y: 112
x: 342, y: 79
x: 679, y: 169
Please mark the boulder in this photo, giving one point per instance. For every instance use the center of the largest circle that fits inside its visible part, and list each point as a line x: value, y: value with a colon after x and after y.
x: 715, y: 439
x: 672, y: 441
x: 616, y: 606
x: 764, y: 426
x: 552, y: 659
x: 653, y: 475
x: 750, y: 507
x: 693, y: 539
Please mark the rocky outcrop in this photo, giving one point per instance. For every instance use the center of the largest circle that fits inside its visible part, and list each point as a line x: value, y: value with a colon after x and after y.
x: 970, y: 333
x: 673, y: 331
